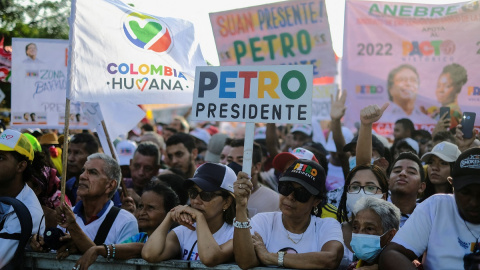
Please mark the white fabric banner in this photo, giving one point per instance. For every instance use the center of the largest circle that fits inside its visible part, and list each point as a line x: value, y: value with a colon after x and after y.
x: 419, y: 57
x: 39, y: 83
x: 321, y: 102
x: 130, y: 56
x: 289, y: 32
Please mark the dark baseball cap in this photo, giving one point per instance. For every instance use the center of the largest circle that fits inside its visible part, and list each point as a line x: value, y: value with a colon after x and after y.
x: 213, y: 177
x: 466, y: 170
x: 307, y: 173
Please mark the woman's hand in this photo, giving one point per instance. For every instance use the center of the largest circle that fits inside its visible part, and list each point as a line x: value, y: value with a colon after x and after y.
x: 88, y: 258
x: 242, y: 188
x: 261, y: 250
x: 65, y: 216
x: 372, y: 113
x: 185, y: 215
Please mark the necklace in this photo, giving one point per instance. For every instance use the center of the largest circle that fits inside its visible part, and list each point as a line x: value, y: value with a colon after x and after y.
x: 476, y: 247
x: 288, y: 236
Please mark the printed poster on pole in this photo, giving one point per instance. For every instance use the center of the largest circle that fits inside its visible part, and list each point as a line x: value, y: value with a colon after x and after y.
x: 39, y: 84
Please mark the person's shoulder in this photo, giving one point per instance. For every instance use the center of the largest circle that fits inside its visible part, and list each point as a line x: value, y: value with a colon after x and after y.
x: 266, y: 215
x: 438, y: 199
x: 29, y: 199
x: 126, y: 216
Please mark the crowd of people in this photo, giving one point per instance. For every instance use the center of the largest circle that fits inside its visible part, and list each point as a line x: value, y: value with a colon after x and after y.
x: 358, y: 201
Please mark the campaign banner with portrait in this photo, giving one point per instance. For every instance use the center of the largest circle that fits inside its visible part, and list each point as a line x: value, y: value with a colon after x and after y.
x: 39, y: 84
x: 419, y: 57
x: 130, y: 56
x: 267, y: 94
x: 284, y: 33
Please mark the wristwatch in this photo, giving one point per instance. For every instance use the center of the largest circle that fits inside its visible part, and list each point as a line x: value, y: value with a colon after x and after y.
x: 280, y: 258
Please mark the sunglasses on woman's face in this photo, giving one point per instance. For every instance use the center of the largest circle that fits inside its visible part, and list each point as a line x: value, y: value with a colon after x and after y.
x: 204, y: 195
x: 300, y: 194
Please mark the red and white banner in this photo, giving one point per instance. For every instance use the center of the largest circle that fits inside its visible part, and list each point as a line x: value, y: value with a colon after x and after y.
x: 419, y: 57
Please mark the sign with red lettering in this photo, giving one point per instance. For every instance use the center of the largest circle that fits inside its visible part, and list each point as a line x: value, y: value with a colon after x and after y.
x: 419, y: 57
x: 286, y: 33
x: 39, y: 85
x: 267, y: 94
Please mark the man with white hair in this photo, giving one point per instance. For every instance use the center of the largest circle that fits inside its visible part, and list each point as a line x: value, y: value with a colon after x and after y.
x: 94, y: 220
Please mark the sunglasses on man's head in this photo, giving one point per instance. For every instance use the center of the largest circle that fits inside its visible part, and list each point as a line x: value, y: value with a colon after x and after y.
x: 300, y: 194
x: 204, y: 195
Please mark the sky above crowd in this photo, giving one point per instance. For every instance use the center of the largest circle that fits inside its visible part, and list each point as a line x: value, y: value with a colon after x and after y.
x: 198, y: 13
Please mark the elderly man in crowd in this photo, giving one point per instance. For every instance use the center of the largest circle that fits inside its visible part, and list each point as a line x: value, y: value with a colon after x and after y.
x: 94, y: 220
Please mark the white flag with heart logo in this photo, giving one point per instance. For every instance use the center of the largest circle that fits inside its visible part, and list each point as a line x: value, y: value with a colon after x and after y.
x: 120, y: 54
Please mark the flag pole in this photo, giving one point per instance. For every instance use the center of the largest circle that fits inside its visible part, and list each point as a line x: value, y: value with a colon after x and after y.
x: 112, y: 150
x: 248, y: 148
x: 65, y: 151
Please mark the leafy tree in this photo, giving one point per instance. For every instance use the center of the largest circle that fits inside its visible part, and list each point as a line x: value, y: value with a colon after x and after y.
x: 34, y: 19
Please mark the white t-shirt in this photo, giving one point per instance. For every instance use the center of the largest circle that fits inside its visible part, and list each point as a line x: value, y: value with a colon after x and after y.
x: 263, y: 200
x: 12, y: 223
x: 437, y: 228
x: 124, y: 226
x: 188, y: 240
x: 275, y: 236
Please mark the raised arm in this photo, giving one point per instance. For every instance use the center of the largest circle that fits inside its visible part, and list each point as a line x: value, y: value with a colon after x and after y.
x: 162, y: 245
x: 462, y: 143
x: 368, y: 116
x: 242, y: 240
x: 337, y: 111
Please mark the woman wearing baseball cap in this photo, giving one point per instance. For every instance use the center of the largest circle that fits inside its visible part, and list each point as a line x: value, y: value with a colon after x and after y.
x: 440, y: 163
x: 294, y: 237
x: 206, y: 229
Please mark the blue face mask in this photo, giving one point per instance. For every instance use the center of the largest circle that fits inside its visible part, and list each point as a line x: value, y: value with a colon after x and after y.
x: 352, y: 162
x: 366, y: 246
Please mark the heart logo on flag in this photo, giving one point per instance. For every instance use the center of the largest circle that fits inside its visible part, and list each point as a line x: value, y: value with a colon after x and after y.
x: 147, y: 32
x: 139, y: 81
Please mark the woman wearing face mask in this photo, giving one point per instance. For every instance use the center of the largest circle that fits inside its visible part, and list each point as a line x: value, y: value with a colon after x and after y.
x: 440, y: 163
x: 362, y: 181
x: 294, y: 237
x: 206, y: 232
x: 376, y: 222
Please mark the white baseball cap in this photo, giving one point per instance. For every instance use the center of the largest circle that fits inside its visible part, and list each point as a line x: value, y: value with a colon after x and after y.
x: 125, y: 151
